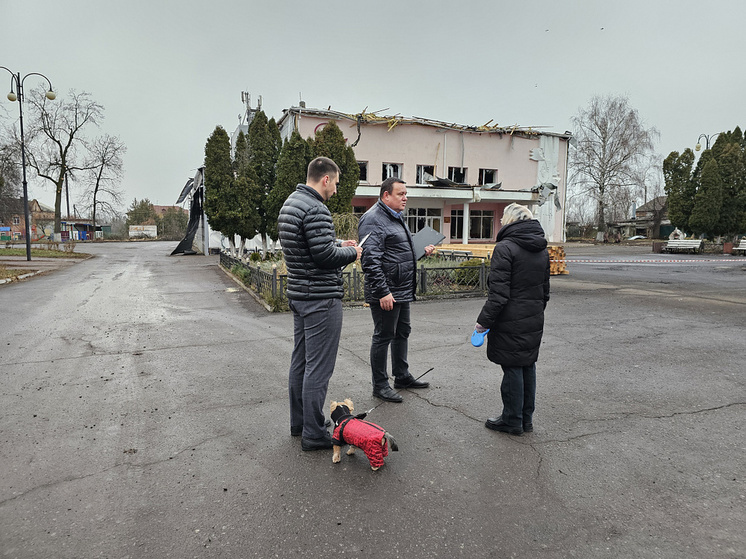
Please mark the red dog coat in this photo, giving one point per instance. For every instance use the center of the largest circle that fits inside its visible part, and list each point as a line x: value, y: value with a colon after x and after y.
x: 364, y: 435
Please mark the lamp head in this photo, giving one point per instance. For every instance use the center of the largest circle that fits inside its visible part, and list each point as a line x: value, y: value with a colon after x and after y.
x: 12, y: 96
x: 698, y: 147
x: 51, y: 95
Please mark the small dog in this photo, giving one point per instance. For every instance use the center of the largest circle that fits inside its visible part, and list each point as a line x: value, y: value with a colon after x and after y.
x: 352, y: 430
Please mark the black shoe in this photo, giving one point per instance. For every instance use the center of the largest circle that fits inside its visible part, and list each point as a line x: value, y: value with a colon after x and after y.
x: 497, y: 424
x: 387, y: 394
x: 409, y: 382
x: 298, y: 431
x: 528, y: 427
x: 316, y: 444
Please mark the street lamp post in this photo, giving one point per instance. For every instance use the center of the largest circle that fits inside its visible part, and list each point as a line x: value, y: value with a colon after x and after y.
x: 707, y: 138
x: 16, y: 82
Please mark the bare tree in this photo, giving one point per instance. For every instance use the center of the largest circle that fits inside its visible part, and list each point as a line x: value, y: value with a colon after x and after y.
x: 10, y: 181
x: 56, y: 142
x: 105, y: 165
x: 612, y: 143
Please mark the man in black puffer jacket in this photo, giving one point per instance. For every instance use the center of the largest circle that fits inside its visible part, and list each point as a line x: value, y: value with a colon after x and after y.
x: 514, y: 313
x: 389, y: 265
x: 314, y: 260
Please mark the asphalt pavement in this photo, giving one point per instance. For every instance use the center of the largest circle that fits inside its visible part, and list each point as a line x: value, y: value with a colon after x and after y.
x: 143, y: 413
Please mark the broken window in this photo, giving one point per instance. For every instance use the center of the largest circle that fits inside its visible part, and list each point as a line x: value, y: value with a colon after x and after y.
x: 417, y: 218
x: 457, y: 174
x: 487, y: 176
x: 457, y: 223
x: 425, y: 173
x: 363, y: 171
x: 391, y: 170
x: 481, y: 224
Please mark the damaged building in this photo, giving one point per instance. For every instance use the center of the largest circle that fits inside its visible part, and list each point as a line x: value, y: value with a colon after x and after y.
x: 459, y: 178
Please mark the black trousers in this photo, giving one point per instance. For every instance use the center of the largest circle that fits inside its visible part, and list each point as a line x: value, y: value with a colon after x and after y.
x: 390, y: 328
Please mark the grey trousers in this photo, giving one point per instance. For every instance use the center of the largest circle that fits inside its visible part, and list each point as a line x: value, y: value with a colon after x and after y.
x: 316, y: 328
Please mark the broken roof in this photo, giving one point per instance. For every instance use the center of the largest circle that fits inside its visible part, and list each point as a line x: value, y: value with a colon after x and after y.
x: 374, y: 118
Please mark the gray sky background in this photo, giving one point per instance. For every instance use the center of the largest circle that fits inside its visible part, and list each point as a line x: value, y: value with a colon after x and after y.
x: 168, y: 72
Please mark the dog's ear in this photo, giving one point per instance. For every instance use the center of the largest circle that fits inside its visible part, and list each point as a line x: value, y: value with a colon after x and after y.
x: 348, y: 403
x: 333, y: 406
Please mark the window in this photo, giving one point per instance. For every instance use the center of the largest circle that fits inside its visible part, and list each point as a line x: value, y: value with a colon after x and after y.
x: 487, y: 176
x: 457, y: 223
x: 425, y: 173
x: 358, y: 211
x: 418, y: 218
x: 391, y: 170
x: 16, y: 220
x: 481, y: 224
x: 457, y: 174
x: 363, y: 170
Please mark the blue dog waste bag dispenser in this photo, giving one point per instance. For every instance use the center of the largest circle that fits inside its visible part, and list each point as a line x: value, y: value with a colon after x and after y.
x: 477, y: 339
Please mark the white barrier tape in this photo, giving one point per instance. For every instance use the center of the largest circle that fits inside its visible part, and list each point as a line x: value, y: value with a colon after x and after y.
x: 691, y: 260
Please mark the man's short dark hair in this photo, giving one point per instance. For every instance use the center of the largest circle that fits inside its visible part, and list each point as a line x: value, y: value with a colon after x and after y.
x: 319, y: 167
x: 388, y: 185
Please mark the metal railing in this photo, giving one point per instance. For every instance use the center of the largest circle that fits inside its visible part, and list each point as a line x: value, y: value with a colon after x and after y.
x: 433, y: 281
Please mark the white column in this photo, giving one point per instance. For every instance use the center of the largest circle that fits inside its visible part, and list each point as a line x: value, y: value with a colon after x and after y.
x: 465, y: 229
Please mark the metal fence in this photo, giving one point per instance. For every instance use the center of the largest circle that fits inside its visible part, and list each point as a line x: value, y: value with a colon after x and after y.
x: 433, y: 281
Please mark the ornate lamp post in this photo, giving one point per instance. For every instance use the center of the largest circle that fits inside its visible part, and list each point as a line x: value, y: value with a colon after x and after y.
x: 16, y: 82
x: 707, y: 141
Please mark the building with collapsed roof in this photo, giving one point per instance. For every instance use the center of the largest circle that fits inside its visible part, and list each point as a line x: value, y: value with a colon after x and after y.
x: 459, y: 178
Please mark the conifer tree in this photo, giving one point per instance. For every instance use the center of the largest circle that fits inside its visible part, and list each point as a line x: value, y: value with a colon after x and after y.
x: 680, y: 188
x: 248, y: 194
x: 264, y: 144
x: 330, y: 142
x: 219, y: 183
x: 292, y: 165
x: 708, y: 201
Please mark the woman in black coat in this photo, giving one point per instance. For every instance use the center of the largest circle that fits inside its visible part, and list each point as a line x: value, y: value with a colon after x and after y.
x: 514, y: 314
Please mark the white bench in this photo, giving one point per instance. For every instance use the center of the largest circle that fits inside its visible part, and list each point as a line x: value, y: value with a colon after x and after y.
x: 741, y: 247
x: 684, y: 245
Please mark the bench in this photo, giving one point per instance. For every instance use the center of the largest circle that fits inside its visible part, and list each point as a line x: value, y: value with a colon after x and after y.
x: 684, y: 245
x: 741, y: 247
x: 454, y: 254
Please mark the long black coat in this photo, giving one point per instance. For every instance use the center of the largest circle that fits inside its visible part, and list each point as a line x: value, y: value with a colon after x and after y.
x: 518, y: 294
x: 388, y: 257
x: 313, y: 258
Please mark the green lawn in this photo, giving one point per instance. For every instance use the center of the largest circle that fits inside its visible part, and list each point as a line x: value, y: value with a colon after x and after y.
x: 41, y: 253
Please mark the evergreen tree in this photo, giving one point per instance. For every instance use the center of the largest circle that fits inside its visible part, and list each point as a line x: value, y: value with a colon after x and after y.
x: 708, y: 201
x: 330, y: 142
x: 141, y: 213
x: 219, y: 182
x: 680, y: 188
x: 248, y: 194
x: 263, y: 152
x: 292, y: 165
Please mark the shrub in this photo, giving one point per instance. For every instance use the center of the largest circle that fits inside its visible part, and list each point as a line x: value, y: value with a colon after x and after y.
x: 468, y: 272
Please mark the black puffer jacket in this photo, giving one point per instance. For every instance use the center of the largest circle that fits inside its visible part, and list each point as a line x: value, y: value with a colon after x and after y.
x: 388, y: 256
x: 313, y: 258
x: 518, y: 293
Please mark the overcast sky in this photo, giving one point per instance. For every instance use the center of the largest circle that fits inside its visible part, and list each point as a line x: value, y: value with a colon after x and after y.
x: 168, y: 72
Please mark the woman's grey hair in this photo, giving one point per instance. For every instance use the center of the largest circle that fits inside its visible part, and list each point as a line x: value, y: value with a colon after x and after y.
x: 516, y: 212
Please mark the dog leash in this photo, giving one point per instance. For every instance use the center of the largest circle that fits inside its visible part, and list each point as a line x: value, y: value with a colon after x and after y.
x: 397, y: 392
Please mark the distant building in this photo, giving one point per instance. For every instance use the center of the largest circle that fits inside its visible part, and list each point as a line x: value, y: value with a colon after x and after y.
x: 161, y: 210
x: 459, y: 178
x: 42, y: 221
x: 650, y: 220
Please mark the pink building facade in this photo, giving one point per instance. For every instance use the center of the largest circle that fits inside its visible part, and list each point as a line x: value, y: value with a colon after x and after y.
x: 459, y: 178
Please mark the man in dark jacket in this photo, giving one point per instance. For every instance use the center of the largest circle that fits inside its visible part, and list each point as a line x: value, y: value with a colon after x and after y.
x: 314, y: 261
x: 514, y: 313
x: 389, y: 265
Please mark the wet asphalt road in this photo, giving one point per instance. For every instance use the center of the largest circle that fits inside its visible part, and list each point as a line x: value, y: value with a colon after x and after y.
x: 143, y: 414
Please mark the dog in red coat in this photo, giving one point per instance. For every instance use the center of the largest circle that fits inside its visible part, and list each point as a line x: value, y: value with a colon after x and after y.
x: 352, y: 430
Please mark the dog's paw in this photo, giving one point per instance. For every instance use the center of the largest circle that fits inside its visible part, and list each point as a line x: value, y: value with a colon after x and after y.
x: 336, y: 459
x: 351, y: 451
